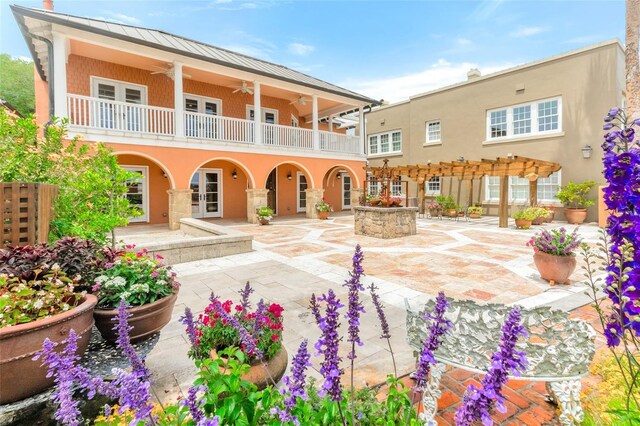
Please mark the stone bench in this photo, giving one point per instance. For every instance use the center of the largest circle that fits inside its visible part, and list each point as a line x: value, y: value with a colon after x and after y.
x: 559, y: 350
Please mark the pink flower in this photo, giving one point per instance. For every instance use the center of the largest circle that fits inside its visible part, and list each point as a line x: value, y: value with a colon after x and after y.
x: 154, y: 274
x: 159, y: 257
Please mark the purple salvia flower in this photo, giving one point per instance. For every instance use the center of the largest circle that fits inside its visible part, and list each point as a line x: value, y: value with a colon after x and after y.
x: 354, y: 306
x: 327, y: 345
x: 248, y: 342
x: 124, y: 343
x: 210, y: 422
x: 506, y: 360
x: 382, y: 317
x: 259, y: 319
x: 134, y: 393
x: 439, y: 326
x: 188, y: 321
x: 193, y: 403
x: 294, y: 385
x: 245, y: 293
x: 315, y: 308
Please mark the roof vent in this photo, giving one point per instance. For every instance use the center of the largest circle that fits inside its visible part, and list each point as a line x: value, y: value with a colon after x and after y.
x: 473, y: 73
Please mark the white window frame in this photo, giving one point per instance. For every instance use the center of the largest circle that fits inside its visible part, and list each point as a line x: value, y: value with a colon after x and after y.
x: 95, y: 80
x: 433, y: 192
x: 201, y: 101
x: 377, y: 136
x: 428, y: 140
x: 535, y: 132
x: 490, y: 200
x: 145, y: 190
x: 344, y: 177
x: 298, y: 208
x: 295, y: 122
x: 264, y: 110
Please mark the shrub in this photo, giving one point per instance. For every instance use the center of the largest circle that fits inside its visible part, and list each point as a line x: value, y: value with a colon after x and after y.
x: 555, y: 241
x: 265, y: 213
x: 446, y: 202
x: 136, y: 278
x: 526, y: 214
x: 323, y: 206
x: 474, y: 210
x: 575, y: 195
x: 41, y: 296
x: 26, y: 262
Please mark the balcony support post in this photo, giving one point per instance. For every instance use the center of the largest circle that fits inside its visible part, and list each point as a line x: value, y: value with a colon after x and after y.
x: 60, y: 54
x: 257, y: 113
x: 316, y: 131
x: 178, y: 101
x: 331, y: 122
x: 361, y: 131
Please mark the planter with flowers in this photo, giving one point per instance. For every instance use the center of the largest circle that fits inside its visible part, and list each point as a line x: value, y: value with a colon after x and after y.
x: 524, y: 218
x: 541, y: 215
x: 435, y: 209
x: 148, y: 287
x: 225, y: 324
x: 474, y: 212
x: 575, y: 198
x: 265, y: 214
x: 554, y: 254
x: 323, y: 208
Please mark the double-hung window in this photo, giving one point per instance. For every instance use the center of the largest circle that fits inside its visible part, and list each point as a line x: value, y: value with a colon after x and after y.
x: 433, y: 132
x: 433, y: 186
x: 385, y: 143
x: 519, y: 188
x: 530, y: 119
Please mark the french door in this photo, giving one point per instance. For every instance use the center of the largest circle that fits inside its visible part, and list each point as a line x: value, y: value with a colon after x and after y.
x: 346, y: 191
x: 197, y: 124
x: 138, y: 193
x: 302, y: 192
x: 269, y: 116
x: 110, y: 115
x: 206, y: 198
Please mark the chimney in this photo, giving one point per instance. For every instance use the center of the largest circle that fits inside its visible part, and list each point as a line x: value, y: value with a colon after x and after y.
x: 47, y: 4
x: 473, y: 73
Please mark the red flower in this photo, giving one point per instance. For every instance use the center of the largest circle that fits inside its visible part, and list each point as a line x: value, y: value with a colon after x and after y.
x: 276, y: 310
x: 274, y: 337
x: 227, y: 306
x: 238, y: 308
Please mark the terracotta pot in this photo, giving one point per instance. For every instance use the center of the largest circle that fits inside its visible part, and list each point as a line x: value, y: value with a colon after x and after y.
x: 523, y: 224
x: 260, y: 374
x: 538, y: 220
x: 435, y: 212
x: 374, y: 202
x: 20, y: 376
x: 555, y: 269
x: 550, y: 216
x: 475, y: 215
x: 264, y: 221
x: 323, y: 215
x: 575, y: 216
x: 145, y: 320
x: 452, y: 212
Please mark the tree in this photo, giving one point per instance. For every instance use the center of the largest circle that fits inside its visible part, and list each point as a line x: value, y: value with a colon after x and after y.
x: 632, y: 65
x: 92, y: 187
x: 16, y: 83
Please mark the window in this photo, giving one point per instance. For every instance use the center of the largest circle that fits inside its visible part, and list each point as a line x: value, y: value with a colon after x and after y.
x: 433, y: 186
x: 137, y: 192
x: 383, y: 143
x: 527, y: 119
x: 433, y: 132
x: 519, y: 188
x: 396, y: 188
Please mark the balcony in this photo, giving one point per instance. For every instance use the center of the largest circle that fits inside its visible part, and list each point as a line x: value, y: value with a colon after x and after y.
x: 89, y: 113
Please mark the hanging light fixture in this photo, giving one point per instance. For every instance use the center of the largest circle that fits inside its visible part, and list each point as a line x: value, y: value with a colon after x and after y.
x: 234, y: 174
x: 586, y: 151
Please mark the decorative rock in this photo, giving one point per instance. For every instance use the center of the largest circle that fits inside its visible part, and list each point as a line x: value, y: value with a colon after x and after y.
x: 385, y: 222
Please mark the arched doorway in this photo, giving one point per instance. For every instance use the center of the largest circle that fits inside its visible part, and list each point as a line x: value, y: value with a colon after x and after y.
x: 338, y: 184
x: 219, y: 189
x: 287, y: 184
x: 149, y: 192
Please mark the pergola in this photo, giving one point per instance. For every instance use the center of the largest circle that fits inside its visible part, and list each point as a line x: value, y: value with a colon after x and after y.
x: 503, y: 167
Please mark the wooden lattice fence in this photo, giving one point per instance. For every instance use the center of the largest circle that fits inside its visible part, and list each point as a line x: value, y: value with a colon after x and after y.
x: 25, y: 212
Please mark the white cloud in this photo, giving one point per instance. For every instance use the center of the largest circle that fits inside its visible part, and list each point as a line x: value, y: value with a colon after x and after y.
x: 584, y: 39
x: 440, y: 74
x: 249, y: 44
x: 461, y: 41
x: 485, y: 9
x: 527, y: 31
x: 118, y: 18
x: 126, y: 18
x: 300, y: 49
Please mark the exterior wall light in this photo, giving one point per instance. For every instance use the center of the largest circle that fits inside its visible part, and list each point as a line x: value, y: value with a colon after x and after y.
x: 234, y: 174
x: 289, y: 176
x: 586, y: 151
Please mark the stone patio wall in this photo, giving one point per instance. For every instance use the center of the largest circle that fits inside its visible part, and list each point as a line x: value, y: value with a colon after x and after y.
x: 385, y: 222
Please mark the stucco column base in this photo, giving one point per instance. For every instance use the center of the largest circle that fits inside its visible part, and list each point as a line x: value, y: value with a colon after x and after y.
x: 313, y: 196
x: 179, y: 206
x: 256, y: 198
x: 356, y: 194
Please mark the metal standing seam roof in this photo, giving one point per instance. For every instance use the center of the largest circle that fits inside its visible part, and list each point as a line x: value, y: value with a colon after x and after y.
x: 173, y: 43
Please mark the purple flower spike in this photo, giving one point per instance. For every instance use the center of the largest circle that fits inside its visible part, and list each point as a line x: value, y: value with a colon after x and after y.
x: 327, y: 345
x: 193, y: 403
x: 478, y: 403
x: 315, y: 308
x: 190, y: 323
x: 294, y: 385
x: 245, y: 293
x: 382, y: 317
x: 248, y: 341
x: 355, y: 307
x: 124, y: 343
x: 439, y: 326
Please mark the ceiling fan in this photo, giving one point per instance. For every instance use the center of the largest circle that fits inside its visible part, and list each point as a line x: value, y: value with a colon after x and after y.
x: 300, y: 101
x: 244, y: 88
x: 169, y: 71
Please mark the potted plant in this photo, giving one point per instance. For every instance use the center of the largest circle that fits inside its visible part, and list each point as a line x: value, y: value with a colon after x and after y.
x: 396, y: 201
x: 475, y: 212
x: 541, y: 215
x: 575, y: 198
x: 435, y: 209
x: 524, y: 218
x: 149, y: 288
x: 219, y: 328
x: 551, y: 213
x: 265, y: 214
x: 46, y: 305
x: 323, y: 208
x: 554, y: 254
x: 448, y: 205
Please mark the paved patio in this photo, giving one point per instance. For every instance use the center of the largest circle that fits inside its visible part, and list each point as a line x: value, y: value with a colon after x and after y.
x: 296, y: 257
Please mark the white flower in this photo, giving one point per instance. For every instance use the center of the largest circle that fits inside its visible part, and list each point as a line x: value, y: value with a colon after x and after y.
x: 140, y: 288
x: 38, y: 304
x: 55, y: 267
x: 65, y: 307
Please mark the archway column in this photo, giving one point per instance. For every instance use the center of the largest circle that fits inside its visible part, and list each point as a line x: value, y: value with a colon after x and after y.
x: 313, y: 196
x: 256, y: 198
x: 179, y: 206
x: 356, y: 195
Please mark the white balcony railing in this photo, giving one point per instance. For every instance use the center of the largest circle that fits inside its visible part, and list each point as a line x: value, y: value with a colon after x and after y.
x: 103, y: 114
x: 215, y: 127
x: 112, y: 115
x: 338, y: 142
x: 286, y: 136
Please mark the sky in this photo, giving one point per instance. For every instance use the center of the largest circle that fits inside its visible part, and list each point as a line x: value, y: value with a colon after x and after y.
x: 383, y: 49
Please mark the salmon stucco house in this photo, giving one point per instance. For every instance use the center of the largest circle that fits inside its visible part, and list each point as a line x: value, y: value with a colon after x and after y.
x: 212, y: 133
